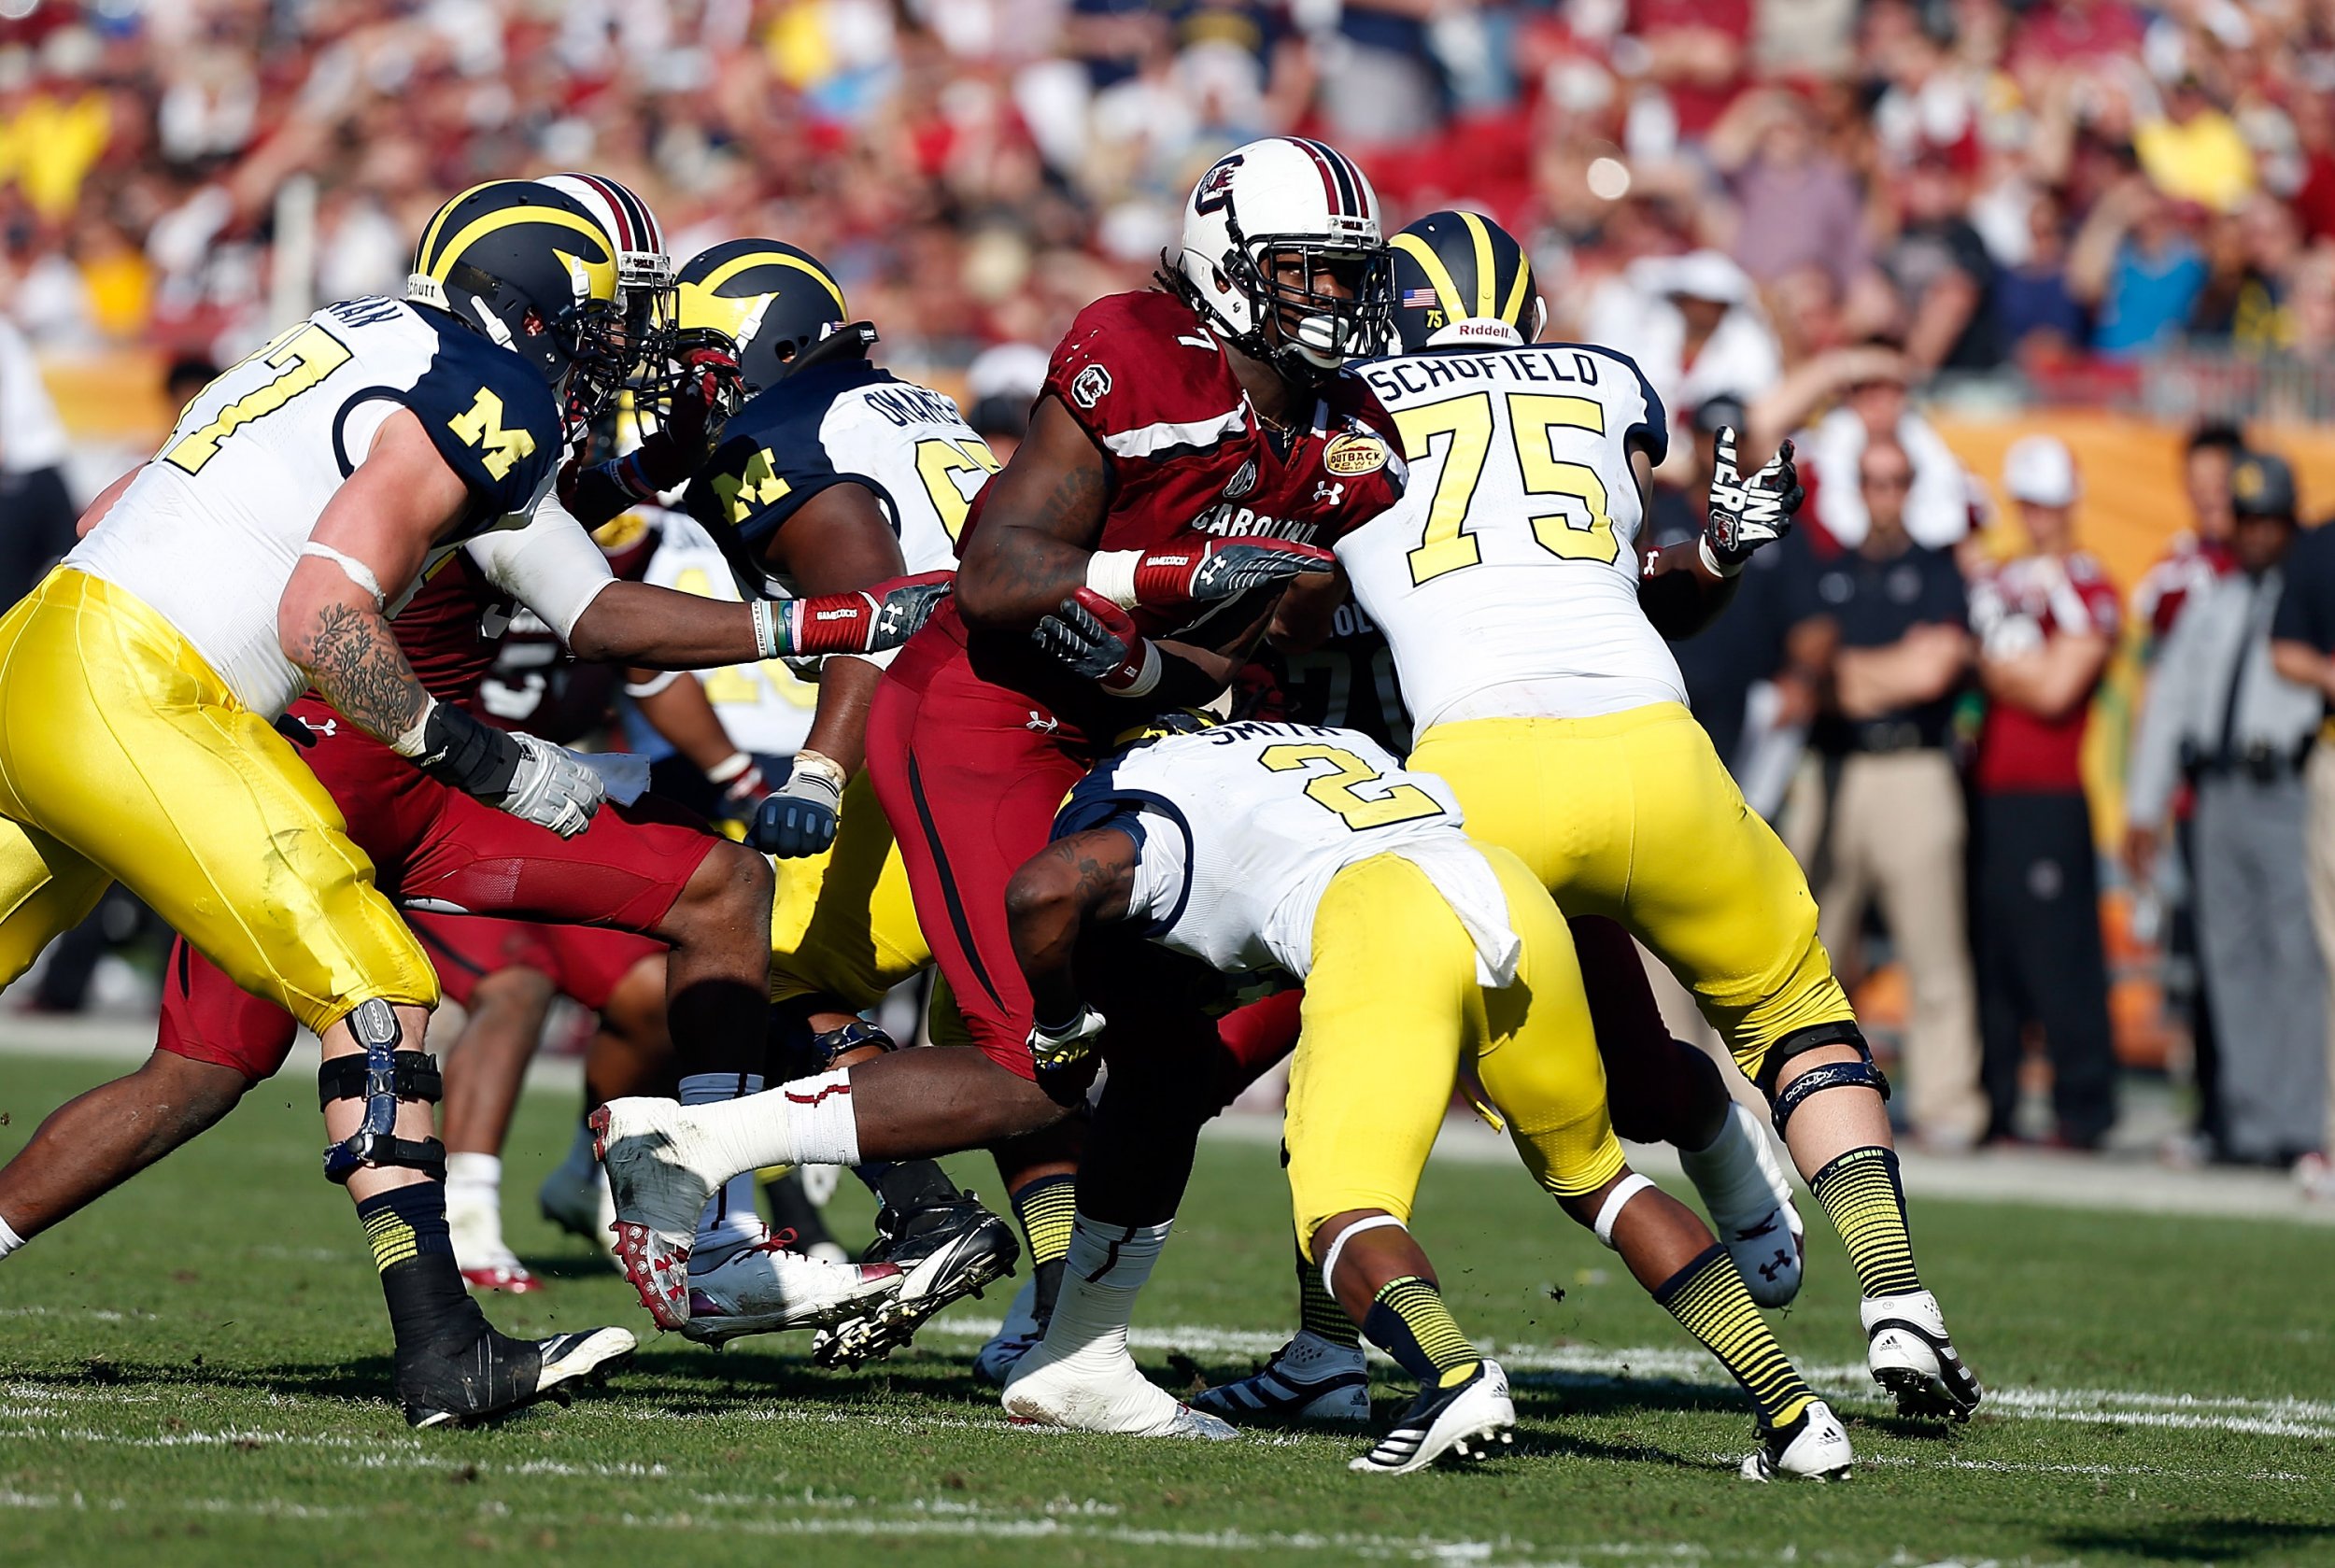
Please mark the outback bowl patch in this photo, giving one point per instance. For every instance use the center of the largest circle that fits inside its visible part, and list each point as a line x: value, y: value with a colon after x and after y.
x: 1353, y: 454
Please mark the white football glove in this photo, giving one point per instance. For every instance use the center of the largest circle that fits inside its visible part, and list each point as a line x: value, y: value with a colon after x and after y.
x: 1746, y: 514
x: 1055, y: 1050
x: 554, y: 787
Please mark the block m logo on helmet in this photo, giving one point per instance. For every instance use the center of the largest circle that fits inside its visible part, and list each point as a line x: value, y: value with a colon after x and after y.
x: 482, y: 427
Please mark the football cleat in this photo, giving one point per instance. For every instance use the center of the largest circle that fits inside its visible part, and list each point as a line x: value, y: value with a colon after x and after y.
x: 1812, y: 1449
x: 1309, y: 1380
x: 495, y: 1374
x: 1908, y: 1351
x: 766, y: 1289
x: 1094, y: 1393
x: 1752, y: 1207
x: 947, y: 1251
x: 1469, y: 1420
x: 479, y: 1252
x: 645, y: 1146
x: 577, y: 1201
x: 1019, y: 1334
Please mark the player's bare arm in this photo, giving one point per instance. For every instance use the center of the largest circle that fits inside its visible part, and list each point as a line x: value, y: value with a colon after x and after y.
x: 835, y: 543
x: 95, y: 511
x: 1042, y: 516
x: 1075, y: 882
x: 368, y: 543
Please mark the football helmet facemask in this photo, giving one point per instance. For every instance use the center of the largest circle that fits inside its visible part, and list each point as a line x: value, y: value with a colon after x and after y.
x: 527, y: 267
x: 644, y: 271
x: 1262, y: 229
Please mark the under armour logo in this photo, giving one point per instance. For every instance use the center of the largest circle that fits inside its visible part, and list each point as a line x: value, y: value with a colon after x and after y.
x: 1768, y: 1271
x: 1043, y: 723
x: 328, y: 728
x: 1328, y: 493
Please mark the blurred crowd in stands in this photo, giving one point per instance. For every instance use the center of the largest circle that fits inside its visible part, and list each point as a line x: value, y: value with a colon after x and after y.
x: 1741, y: 185
x: 1805, y: 217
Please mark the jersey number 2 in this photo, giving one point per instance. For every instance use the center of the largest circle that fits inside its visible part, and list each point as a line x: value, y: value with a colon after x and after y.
x: 1533, y: 419
x: 1396, y: 802
x: 306, y: 355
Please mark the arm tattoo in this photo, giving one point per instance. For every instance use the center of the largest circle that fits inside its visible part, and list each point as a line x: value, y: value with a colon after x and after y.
x: 1103, y: 885
x: 359, y: 669
x: 1038, y: 561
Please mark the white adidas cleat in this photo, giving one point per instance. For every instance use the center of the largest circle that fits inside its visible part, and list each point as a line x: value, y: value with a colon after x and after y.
x: 1468, y: 1419
x: 1093, y: 1392
x: 645, y: 1147
x: 1309, y: 1381
x: 1907, y: 1348
x: 576, y: 1199
x: 1752, y: 1207
x: 766, y: 1289
x: 486, y: 1262
x: 1812, y: 1449
x: 1016, y: 1337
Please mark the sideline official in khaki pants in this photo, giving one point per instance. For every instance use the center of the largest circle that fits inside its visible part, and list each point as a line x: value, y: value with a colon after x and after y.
x: 1877, y: 812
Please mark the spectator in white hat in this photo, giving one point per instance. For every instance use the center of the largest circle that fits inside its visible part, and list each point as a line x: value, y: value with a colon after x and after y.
x: 2046, y: 623
x: 1694, y: 326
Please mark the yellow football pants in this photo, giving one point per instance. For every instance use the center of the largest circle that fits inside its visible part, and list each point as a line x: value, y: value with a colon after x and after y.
x: 843, y: 921
x: 1632, y: 815
x: 1394, y: 1014
x: 124, y: 756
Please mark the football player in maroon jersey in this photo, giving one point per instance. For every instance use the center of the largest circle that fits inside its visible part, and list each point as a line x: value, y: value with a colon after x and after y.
x: 1195, y: 448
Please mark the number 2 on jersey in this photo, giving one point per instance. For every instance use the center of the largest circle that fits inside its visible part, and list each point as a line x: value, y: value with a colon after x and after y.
x: 306, y: 355
x: 1396, y: 802
x: 1533, y: 419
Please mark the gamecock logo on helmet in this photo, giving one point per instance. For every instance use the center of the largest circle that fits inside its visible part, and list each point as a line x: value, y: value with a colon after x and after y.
x: 1215, y: 187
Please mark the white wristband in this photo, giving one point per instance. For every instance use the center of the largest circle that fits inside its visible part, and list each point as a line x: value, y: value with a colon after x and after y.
x: 765, y: 628
x: 1718, y: 568
x: 729, y: 768
x: 1112, y: 573
x: 1146, y: 678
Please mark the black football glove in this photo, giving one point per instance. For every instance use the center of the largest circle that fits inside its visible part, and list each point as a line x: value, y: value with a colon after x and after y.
x: 1746, y: 514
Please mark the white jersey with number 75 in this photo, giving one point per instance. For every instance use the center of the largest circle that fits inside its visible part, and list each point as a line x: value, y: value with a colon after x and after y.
x: 1506, y: 579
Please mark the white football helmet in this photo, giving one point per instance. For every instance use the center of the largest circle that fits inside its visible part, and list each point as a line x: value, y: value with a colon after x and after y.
x: 1279, y: 202
x: 644, y: 271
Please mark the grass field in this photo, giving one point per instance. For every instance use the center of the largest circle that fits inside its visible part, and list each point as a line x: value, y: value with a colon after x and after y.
x: 195, y: 1370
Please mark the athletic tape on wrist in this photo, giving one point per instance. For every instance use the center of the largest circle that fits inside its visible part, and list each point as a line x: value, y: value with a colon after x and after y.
x: 1329, y: 1259
x: 651, y: 686
x: 1710, y: 559
x: 1112, y: 573
x: 351, y: 568
x: 411, y: 742
x: 1609, y: 1212
x: 729, y: 768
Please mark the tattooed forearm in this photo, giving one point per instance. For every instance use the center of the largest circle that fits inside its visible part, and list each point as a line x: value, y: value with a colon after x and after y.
x: 1103, y: 883
x: 353, y: 660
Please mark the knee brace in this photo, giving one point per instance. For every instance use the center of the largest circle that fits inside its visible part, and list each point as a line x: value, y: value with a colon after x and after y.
x: 382, y: 1078
x: 1832, y: 1075
x: 1799, y: 1042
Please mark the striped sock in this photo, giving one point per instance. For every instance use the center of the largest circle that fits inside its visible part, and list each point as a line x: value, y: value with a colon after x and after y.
x: 1048, y: 1210
x: 1708, y: 1300
x: 1408, y: 1321
x: 1867, y: 1203
x: 1319, y: 1313
x: 405, y: 1228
